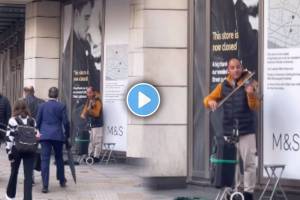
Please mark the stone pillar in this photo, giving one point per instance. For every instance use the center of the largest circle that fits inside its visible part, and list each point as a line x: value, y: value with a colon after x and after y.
x: 159, y: 56
x: 135, y: 73
x: 42, y: 44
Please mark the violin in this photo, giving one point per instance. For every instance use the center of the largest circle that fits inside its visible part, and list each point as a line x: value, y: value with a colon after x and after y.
x: 245, y: 79
x: 91, y: 104
x: 245, y: 76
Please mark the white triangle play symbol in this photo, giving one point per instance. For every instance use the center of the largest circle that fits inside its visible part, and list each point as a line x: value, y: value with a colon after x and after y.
x: 142, y: 99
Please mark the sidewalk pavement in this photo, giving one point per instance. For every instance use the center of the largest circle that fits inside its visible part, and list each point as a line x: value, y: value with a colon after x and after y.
x: 103, y: 182
x: 97, y: 182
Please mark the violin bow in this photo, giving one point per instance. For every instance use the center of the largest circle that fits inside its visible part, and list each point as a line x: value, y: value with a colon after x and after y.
x: 235, y: 89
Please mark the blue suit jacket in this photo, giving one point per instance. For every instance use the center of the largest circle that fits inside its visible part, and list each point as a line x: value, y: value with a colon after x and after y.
x: 52, y: 121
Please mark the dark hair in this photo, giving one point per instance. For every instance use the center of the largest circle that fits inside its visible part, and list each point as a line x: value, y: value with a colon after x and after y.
x: 232, y: 58
x: 29, y: 90
x: 79, y: 4
x: 26, y: 90
x: 91, y: 88
x: 20, y: 108
x: 53, y: 92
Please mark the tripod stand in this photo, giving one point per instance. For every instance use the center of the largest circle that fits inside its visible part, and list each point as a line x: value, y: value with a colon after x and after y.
x: 232, y: 193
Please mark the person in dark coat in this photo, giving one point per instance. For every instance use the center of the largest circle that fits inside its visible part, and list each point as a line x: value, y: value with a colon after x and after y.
x: 5, y: 113
x: 32, y: 101
x: 53, y: 124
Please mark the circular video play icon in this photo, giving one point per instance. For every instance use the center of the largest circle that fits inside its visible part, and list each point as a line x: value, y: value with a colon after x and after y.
x: 143, y: 99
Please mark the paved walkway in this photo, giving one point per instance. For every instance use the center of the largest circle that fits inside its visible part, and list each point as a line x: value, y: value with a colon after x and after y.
x: 102, y: 182
x: 98, y: 182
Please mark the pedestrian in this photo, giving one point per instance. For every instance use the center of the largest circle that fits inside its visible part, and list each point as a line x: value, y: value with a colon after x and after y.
x: 5, y: 113
x: 32, y: 101
x: 239, y: 106
x: 92, y: 111
x: 20, y: 113
x: 53, y: 124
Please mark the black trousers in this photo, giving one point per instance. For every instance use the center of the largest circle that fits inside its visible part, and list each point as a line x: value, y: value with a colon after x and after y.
x: 28, y: 161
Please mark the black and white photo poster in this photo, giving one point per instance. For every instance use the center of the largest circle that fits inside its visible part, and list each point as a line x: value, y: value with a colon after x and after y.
x: 66, y: 68
x: 234, y: 33
x: 86, y: 54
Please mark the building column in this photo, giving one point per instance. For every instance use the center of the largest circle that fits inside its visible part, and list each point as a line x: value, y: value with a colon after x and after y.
x: 158, y: 55
x: 42, y: 44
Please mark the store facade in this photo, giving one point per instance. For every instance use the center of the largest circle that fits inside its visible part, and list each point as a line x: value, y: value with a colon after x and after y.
x: 181, y: 47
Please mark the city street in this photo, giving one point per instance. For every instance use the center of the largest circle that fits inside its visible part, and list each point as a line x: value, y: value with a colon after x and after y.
x: 98, y: 182
x: 156, y: 85
x: 95, y: 182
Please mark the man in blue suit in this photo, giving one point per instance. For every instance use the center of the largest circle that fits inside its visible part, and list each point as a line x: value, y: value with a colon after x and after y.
x: 54, y: 127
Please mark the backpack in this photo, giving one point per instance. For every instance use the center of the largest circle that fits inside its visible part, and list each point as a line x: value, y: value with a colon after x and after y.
x: 25, y: 140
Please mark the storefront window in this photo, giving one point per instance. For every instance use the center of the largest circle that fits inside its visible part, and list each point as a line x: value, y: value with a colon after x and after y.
x: 81, y: 55
x: 232, y: 32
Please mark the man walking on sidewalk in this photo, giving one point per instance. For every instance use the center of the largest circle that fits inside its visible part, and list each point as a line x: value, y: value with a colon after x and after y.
x: 54, y: 127
x: 32, y: 101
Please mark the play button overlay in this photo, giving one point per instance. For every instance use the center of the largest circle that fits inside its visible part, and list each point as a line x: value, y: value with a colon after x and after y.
x: 143, y: 99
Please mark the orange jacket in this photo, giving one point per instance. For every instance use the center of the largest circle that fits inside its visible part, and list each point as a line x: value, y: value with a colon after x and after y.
x: 92, y: 107
x: 216, y: 94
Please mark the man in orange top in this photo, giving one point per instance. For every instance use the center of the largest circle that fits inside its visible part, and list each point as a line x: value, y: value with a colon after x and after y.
x: 92, y: 111
x: 239, y: 106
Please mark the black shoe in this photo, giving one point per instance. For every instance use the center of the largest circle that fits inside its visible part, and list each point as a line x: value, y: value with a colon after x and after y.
x: 45, y: 190
x: 96, y: 160
x: 248, y: 196
x: 63, y: 183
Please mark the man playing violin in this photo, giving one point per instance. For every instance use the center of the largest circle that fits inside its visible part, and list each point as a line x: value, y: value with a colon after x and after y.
x: 92, y: 110
x: 239, y: 106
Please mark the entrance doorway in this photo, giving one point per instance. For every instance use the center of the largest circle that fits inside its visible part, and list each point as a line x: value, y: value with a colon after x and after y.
x: 12, y: 30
